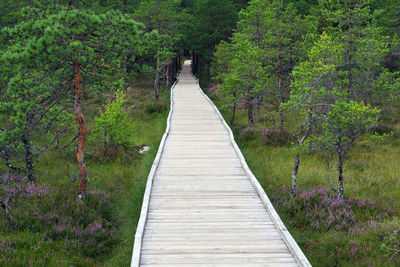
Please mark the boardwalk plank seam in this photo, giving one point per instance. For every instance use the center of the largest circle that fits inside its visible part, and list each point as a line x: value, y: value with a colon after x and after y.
x: 138, y: 249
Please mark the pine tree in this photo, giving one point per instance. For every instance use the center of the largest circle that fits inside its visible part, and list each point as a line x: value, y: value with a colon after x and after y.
x: 48, y: 57
x: 352, y: 22
x: 213, y: 21
x: 164, y: 19
x: 314, y: 89
x: 283, y: 36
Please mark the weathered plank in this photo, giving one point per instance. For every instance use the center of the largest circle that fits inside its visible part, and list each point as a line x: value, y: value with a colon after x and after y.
x: 203, y: 206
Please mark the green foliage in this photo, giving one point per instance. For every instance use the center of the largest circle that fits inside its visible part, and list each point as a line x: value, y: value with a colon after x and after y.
x: 114, y: 124
x: 213, y: 21
x: 315, y: 81
x: 353, y: 23
x: 38, y: 76
x: 347, y: 121
x: 165, y: 23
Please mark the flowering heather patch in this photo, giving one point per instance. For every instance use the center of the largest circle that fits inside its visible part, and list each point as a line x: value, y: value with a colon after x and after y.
x: 323, y: 210
x: 53, y: 217
x: 355, y: 228
x: 15, y: 189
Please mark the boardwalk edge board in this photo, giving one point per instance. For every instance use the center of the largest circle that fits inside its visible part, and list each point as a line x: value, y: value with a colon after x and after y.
x: 137, y: 246
x: 286, y: 236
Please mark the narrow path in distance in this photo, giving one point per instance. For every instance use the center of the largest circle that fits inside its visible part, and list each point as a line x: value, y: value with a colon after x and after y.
x: 202, y: 205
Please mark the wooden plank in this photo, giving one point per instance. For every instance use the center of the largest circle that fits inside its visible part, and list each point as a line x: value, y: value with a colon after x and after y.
x: 203, y: 207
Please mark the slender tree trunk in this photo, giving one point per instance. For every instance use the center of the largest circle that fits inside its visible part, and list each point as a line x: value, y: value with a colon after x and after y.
x: 297, y: 156
x: 80, y: 151
x: 167, y: 82
x: 280, y: 89
x: 157, y: 80
x: 234, y: 109
x: 328, y: 163
x: 340, y: 171
x: 26, y: 140
x: 250, y: 116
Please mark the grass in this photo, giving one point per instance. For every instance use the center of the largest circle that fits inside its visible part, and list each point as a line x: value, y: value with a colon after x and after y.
x: 122, y: 175
x: 374, y: 236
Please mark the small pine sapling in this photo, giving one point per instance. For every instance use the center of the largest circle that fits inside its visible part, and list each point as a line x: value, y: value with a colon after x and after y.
x: 114, y: 124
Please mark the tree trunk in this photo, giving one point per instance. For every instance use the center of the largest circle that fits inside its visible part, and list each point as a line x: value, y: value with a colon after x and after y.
x: 328, y: 163
x: 167, y: 75
x: 26, y: 140
x: 157, y: 80
x: 250, y: 116
x: 280, y: 93
x: 297, y: 156
x: 80, y: 151
x: 234, y: 109
x: 294, y: 174
x: 340, y: 171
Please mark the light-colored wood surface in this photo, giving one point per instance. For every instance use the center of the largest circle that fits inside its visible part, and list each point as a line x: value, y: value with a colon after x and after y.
x: 203, y: 209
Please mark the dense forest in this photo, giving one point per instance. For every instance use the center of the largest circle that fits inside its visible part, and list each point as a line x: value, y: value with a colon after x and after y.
x: 309, y: 87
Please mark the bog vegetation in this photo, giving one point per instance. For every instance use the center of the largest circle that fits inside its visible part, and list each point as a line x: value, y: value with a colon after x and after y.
x: 310, y: 88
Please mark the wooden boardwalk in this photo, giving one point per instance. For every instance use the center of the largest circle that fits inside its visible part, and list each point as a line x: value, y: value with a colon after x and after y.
x: 202, y: 205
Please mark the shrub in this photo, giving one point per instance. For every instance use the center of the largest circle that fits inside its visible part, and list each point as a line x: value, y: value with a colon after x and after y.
x: 114, y: 124
x: 275, y: 137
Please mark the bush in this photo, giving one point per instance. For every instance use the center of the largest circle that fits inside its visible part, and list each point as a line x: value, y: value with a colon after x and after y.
x: 275, y: 137
x: 114, y: 124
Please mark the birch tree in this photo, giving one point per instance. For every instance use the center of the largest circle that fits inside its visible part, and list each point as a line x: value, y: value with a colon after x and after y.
x: 314, y: 88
